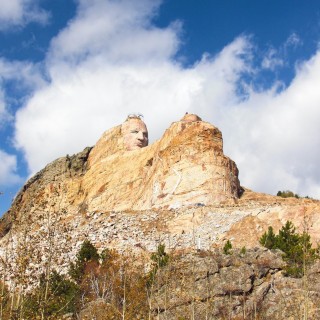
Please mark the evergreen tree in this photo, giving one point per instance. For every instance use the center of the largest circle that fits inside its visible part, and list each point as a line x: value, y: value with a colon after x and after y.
x: 269, y: 239
x: 159, y: 260
x: 87, y: 253
x: 227, y: 247
x: 297, y: 248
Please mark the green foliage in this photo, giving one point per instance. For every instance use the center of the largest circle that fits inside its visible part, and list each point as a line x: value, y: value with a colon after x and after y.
x: 297, y: 248
x: 243, y: 250
x: 287, y: 237
x: 269, y: 239
x: 53, y: 297
x: 64, y: 293
x: 287, y: 194
x: 159, y: 260
x: 227, y: 247
x: 87, y: 253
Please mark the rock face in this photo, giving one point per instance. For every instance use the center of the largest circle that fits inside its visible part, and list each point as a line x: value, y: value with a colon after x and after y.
x: 181, y: 191
x: 211, y: 285
x: 33, y: 197
x: 187, y: 166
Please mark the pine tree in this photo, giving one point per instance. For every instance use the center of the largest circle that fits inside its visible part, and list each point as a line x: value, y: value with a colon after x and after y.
x: 297, y: 248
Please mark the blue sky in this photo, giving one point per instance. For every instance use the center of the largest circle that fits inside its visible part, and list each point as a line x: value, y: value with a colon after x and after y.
x: 71, y: 69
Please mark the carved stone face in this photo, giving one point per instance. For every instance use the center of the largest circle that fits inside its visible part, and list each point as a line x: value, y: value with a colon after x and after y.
x: 135, y: 134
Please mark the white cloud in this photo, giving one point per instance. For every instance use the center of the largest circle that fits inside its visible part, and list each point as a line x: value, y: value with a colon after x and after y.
x: 293, y: 41
x: 3, y: 111
x: 278, y: 134
x: 25, y: 75
x: 20, y: 12
x: 272, y: 60
x: 8, y: 168
x: 119, y: 31
x: 111, y: 61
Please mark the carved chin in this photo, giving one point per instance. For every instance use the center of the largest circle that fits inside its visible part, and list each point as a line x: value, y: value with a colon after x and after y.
x: 135, y: 146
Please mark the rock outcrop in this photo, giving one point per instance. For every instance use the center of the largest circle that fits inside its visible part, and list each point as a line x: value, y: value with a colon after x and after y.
x: 181, y: 191
x: 249, y: 285
x: 245, y: 284
x: 186, y: 167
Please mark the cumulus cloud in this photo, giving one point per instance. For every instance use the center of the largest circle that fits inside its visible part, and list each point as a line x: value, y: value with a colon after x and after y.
x: 8, y: 168
x: 293, y: 41
x: 20, y: 12
x: 272, y: 60
x: 3, y: 111
x: 278, y: 135
x: 120, y: 31
x: 111, y: 60
x: 25, y: 76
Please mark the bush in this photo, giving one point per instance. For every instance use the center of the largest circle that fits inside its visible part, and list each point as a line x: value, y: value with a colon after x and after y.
x: 297, y: 248
x: 159, y: 260
x: 53, y: 297
x: 227, y: 247
x: 87, y: 253
x: 287, y: 194
x: 269, y: 239
x: 243, y: 250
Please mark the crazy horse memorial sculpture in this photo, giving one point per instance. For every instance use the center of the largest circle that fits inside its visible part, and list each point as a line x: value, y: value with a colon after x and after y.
x: 181, y: 191
x: 121, y: 172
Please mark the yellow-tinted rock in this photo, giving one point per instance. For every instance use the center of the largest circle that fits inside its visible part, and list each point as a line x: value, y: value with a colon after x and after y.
x: 187, y: 166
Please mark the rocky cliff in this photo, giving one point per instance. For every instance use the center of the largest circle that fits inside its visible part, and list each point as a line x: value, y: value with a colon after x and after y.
x: 181, y: 191
x: 186, y: 167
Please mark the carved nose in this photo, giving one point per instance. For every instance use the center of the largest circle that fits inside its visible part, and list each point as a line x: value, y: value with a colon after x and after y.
x: 140, y: 135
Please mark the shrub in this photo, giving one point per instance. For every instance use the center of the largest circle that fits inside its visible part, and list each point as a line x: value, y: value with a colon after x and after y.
x: 51, y: 298
x: 243, y: 250
x: 159, y: 260
x: 297, y: 248
x: 64, y: 293
x: 269, y: 239
x: 287, y: 194
x: 227, y: 247
x: 87, y: 253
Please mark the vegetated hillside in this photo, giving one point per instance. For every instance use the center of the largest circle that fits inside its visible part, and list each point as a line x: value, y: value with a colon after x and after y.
x: 234, y: 284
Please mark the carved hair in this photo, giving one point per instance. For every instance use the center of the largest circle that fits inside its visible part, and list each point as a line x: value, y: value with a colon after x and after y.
x: 134, y: 116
